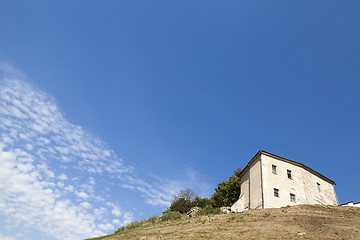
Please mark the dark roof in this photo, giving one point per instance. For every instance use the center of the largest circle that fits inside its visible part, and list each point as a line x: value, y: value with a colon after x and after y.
x: 285, y: 160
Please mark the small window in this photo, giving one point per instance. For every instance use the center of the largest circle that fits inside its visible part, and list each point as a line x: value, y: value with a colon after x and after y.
x: 289, y: 174
x: 292, y: 197
x: 318, y: 186
x: 274, y: 169
x: 276, y: 192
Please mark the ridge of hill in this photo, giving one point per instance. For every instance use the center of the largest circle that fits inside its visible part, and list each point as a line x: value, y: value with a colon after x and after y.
x: 295, y: 222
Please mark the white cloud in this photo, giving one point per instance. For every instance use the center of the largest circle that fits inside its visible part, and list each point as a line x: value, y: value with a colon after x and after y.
x: 37, y: 145
x: 116, y: 212
x: 45, y: 169
x: 27, y: 197
x: 83, y: 195
x: 91, y: 180
x: 116, y: 222
x: 86, y: 205
x: 69, y: 188
x: 62, y: 177
x: 99, y: 212
x: 29, y: 147
x: 3, y: 237
x: 106, y: 227
x: 115, y: 209
x: 128, y: 218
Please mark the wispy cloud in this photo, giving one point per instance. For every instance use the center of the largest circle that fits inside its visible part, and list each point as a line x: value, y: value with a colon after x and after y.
x: 3, y: 237
x: 50, y: 169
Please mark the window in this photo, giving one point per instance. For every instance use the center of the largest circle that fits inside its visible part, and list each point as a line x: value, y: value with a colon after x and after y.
x: 276, y: 192
x: 318, y: 186
x: 292, y: 197
x: 289, y: 174
x: 274, y: 169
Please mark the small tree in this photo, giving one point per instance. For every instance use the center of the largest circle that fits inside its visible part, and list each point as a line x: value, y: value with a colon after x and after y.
x: 181, y: 205
x: 202, y: 202
x: 227, y: 192
x: 187, y: 194
x: 183, y: 201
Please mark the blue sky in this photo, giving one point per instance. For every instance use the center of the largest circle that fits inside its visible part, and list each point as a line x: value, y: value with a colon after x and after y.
x: 108, y: 108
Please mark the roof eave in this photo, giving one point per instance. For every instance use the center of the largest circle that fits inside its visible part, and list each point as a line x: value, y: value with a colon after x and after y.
x: 285, y: 160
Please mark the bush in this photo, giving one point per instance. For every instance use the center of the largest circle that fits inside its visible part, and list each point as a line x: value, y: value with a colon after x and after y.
x: 153, y: 219
x: 182, y: 205
x: 201, y: 202
x: 208, y: 210
x: 140, y: 223
x: 171, y: 215
x: 183, y: 201
x: 132, y: 225
x: 168, y: 215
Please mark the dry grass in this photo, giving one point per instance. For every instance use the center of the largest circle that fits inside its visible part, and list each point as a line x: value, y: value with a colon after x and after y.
x: 297, y: 222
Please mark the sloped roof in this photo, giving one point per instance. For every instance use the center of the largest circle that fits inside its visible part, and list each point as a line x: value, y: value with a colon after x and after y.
x: 285, y: 160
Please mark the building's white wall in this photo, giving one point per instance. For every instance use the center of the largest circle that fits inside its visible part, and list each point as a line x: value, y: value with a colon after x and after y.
x: 244, y: 199
x: 250, y: 196
x: 258, y: 183
x: 325, y: 196
x: 303, y: 184
x: 351, y: 204
x: 255, y: 184
x: 281, y: 182
x: 245, y: 189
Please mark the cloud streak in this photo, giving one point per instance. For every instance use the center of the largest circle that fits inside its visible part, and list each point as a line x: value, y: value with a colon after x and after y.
x: 52, y: 170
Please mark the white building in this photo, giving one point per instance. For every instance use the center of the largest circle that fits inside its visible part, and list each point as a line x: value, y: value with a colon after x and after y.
x: 270, y: 181
x: 351, y: 204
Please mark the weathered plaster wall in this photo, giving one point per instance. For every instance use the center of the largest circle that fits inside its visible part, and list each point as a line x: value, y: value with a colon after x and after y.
x: 325, y: 194
x: 303, y: 184
x: 281, y: 181
x: 244, y: 199
x: 255, y: 184
x: 245, y: 189
x: 250, y: 196
x: 258, y: 183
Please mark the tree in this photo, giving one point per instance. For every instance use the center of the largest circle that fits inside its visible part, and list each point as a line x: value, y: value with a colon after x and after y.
x: 181, y: 205
x: 237, y: 172
x: 201, y: 202
x: 187, y: 194
x: 183, y: 201
x: 227, y: 192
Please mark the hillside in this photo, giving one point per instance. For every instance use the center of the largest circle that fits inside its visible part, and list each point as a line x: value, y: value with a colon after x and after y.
x: 297, y: 222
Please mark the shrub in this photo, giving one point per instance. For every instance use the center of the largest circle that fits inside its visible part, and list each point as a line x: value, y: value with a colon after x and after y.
x: 138, y: 224
x: 208, y: 210
x: 171, y: 215
x: 132, y: 225
x: 201, y: 202
x: 183, y: 201
x: 153, y: 219
x: 182, y: 205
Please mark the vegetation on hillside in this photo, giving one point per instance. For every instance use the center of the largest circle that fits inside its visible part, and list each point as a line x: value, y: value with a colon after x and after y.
x: 296, y: 222
x: 183, y: 201
x: 226, y: 193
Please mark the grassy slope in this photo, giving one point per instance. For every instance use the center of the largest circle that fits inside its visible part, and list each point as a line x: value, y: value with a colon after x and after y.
x: 317, y: 222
